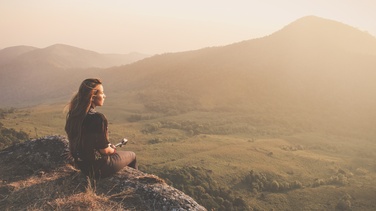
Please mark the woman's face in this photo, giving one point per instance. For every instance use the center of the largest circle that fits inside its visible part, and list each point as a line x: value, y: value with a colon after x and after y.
x: 98, y: 99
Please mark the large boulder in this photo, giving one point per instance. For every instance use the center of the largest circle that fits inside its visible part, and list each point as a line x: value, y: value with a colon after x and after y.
x: 38, y: 174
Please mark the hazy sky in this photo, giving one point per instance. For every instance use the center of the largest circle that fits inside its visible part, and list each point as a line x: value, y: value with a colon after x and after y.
x: 160, y: 26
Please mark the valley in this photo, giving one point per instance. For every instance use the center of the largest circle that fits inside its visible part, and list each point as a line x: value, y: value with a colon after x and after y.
x: 301, y: 169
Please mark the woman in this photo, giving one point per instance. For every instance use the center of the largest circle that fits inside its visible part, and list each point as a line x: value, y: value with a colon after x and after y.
x: 88, y: 135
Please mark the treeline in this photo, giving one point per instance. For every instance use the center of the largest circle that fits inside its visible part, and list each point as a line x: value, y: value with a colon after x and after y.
x: 198, y: 183
x: 9, y: 136
x: 6, y: 111
x: 264, y: 120
x: 192, y: 128
x: 257, y: 182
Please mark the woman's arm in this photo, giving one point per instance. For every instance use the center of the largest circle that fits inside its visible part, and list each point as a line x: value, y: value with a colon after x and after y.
x: 109, y: 150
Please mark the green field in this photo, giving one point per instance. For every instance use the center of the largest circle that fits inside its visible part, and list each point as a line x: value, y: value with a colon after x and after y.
x: 232, y: 160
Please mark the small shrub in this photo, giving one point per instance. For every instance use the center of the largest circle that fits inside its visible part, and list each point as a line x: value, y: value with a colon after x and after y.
x: 240, y: 203
x: 361, y: 171
x: 284, y: 186
x: 339, y: 179
x: 155, y: 141
x: 274, y: 185
x: 152, y: 127
x: 296, y: 184
x: 344, y: 203
x: 134, y: 118
x: 318, y: 182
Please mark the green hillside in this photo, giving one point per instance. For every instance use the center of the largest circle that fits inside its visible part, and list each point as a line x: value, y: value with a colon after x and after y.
x: 227, y: 161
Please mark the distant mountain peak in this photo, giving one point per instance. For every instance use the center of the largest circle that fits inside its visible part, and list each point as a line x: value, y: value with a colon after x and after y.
x: 313, y: 23
x: 316, y: 32
x: 10, y: 53
x: 323, y: 26
x: 19, y: 47
x: 312, y: 18
x: 60, y: 45
x: 64, y: 48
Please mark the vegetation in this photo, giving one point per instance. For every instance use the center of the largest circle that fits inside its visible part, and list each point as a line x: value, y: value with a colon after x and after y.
x: 64, y: 189
x: 9, y: 136
x: 199, y: 184
x: 259, y: 182
x: 233, y: 160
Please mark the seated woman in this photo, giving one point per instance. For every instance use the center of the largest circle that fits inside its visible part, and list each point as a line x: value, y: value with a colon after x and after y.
x: 87, y: 133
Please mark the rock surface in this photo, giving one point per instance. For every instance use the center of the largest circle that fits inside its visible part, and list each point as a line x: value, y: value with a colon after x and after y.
x: 39, y: 168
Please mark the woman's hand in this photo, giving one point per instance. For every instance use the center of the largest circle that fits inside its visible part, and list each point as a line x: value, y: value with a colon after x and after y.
x: 109, y: 150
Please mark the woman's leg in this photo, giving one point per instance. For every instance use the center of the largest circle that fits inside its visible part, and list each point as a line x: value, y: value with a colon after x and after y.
x: 127, y: 158
x: 118, y: 161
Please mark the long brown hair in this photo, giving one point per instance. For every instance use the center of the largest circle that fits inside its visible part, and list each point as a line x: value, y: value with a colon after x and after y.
x: 78, y: 107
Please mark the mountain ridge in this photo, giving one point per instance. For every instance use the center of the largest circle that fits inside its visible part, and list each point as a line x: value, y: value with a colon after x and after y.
x: 66, y: 57
x: 32, y: 75
x: 8, y: 54
x: 257, y: 68
x: 291, y: 64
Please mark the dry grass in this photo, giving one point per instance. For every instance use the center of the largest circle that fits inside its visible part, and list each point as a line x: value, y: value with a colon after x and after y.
x: 55, y: 191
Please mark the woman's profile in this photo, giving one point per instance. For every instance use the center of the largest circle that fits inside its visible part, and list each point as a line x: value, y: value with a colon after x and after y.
x: 88, y: 137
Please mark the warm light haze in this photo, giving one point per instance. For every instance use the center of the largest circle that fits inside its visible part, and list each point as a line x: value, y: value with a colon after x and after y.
x: 155, y: 27
x: 240, y: 105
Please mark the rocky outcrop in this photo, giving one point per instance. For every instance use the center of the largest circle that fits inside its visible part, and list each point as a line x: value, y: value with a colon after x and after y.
x: 39, y: 169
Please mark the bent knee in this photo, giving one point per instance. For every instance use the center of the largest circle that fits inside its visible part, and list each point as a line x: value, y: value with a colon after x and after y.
x: 133, y: 154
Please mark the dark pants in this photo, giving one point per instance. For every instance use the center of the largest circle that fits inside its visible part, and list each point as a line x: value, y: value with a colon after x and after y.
x: 118, y: 161
x: 113, y: 164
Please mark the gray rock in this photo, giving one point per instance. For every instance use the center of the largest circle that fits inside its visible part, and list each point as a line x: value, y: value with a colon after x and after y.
x: 48, y: 156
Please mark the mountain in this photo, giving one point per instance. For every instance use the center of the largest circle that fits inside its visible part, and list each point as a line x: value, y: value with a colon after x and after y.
x: 311, y: 62
x: 31, y: 75
x: 66, y: 57
x: 8, y: 54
